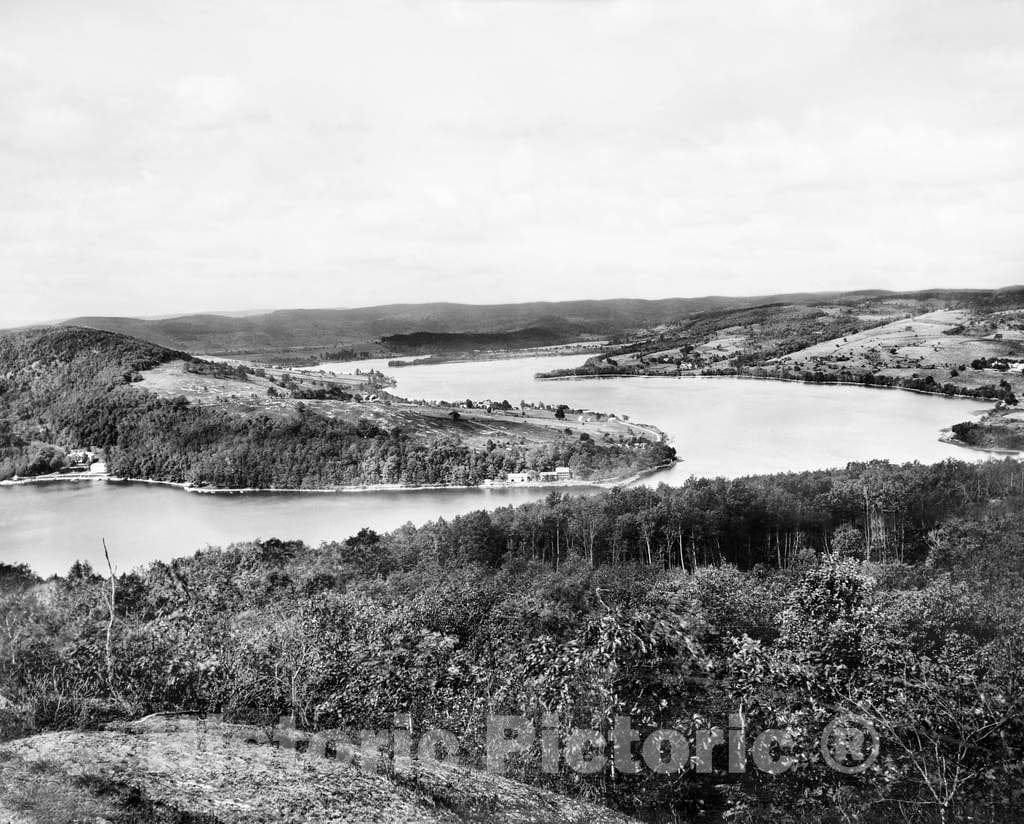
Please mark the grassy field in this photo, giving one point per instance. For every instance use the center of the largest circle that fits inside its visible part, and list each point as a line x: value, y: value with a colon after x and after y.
x: 949, y: 343
x: 474, y: 426
x: 897, y: 337
x: 946, y: 339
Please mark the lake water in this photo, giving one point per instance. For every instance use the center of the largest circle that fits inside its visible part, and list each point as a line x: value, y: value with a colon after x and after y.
x: 719, y: 426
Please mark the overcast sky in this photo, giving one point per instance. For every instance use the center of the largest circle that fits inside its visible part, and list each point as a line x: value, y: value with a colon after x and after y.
x: 168, y: 157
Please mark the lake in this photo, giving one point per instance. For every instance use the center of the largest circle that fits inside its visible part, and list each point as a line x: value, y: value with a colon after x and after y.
x: 719, y: 426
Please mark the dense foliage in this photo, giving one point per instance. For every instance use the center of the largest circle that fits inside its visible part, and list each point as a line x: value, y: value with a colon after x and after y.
x: 432, y: 342
x: 1002, y: 391
x: 994, y: 391
x: 65, y: 387
x: 993, y: 435
x: 62, y: 388
x: 895, y: 592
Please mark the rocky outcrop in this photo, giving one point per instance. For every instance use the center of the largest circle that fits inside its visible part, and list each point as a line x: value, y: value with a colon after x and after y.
x: 189, y: 772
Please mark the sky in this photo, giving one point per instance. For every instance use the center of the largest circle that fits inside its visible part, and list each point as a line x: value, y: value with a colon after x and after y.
x: 159, y: 158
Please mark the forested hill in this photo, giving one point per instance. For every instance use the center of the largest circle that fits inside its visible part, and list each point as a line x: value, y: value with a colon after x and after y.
x: 58, y: 388
x: 442, y: 342
x: 65, y: 388
x: 329, y: 328
x: 890, y: 593
x: 555, y: 322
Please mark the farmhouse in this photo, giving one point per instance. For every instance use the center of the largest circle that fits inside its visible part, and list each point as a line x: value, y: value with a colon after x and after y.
x: 520, y: 477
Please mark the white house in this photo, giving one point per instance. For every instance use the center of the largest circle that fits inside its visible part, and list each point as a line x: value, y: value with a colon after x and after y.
x: 560, y: 473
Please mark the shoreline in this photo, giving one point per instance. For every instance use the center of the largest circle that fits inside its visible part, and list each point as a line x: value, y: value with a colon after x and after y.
x: 556, y: 350
x: 944, y: 437
x: 205, y: 490
x: 495, y: 484
x: 991, y: 450
x: 541, y: 377
x: 942, y: 395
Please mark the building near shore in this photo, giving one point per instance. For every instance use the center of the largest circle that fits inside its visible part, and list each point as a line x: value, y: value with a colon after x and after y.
x: 559, y: 473
x: 520, y: 477
x: 80, y: 458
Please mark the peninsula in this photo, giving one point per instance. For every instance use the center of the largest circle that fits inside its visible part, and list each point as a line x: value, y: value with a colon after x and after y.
x: 152, y: 413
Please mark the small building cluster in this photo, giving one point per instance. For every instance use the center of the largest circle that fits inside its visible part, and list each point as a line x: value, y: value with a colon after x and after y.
x: 82, y: 460
x: 559, y: 473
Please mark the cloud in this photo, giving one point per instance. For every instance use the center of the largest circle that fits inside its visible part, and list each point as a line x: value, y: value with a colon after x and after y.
x: 203, y: 101
x: 206, y: 158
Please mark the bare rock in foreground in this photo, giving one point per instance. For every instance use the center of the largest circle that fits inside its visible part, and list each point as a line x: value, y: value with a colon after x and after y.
x: 186, y: 772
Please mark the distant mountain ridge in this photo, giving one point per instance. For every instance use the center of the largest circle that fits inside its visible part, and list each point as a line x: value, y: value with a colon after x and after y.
x: 440, y: 342
x: 294, y: 328
x: 556, y: 322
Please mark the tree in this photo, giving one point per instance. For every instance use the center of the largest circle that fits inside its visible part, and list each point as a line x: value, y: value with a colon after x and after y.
x: 47, y: 458
x: 110, y: 601
x: 946, y: 740
x: 847, y: 542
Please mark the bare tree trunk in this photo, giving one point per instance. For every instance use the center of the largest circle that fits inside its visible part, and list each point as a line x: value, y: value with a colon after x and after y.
x: 867, y: 526
x: 111, y: 601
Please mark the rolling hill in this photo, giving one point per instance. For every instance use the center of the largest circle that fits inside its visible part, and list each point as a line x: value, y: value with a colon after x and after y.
x: 325, y: 328
x: 505, y: 325
x: 160, y: 414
